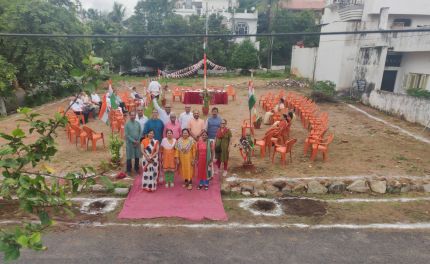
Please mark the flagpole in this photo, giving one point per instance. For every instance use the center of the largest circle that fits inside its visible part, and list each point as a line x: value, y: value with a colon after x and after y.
x: 204, y: 51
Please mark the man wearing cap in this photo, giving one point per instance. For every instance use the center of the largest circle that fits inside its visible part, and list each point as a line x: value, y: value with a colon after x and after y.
x: 185, y: 117
x: 154, y: 124
x: 163, y: 113
x: 173, y: 125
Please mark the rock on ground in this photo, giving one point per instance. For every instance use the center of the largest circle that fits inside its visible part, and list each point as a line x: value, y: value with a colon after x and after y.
x: 316, y: 187
x: 426, y: 187
x: 360, y: 186
x: 378, y: 186
x: 337, y: 187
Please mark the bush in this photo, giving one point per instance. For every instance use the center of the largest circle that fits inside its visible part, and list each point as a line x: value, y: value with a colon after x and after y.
x: 115, y: 144
x: 245, y: 56
x: 421, y: 93
x: 323, y: 91
x: 272, y: 74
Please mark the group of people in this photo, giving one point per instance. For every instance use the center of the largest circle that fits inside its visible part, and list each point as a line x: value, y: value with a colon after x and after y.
x: 84, y: 105
x: 169, y: 146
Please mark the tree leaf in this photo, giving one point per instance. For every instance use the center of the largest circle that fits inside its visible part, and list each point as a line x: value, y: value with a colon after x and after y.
x: 11, y: 254
x: 35, y: 238
x: 23, y: 240
x: 6, y: 151
x: 44, y: 218
x: 18, y: 132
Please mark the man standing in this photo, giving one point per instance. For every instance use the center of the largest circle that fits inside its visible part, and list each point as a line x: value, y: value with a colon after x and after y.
x: 155, y: 89
x: 213, y: 124
x: 185, y: 117
x: 196, y: 125
x: 154, y: 124
x: 141, y: 119
x: 132, y: 147
x: 173, y: 125
x: 163, y: 113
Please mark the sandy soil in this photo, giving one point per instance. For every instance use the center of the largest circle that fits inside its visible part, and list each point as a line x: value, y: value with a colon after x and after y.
x: 361, y: 147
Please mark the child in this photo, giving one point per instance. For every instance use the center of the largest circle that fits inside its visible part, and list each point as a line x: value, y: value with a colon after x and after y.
x: 168, y: 157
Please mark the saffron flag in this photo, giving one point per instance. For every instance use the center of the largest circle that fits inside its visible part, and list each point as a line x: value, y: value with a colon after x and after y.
x: 251, y: 96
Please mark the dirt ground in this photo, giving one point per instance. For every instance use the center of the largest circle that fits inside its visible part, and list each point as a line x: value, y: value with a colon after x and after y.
x: 362, y: 146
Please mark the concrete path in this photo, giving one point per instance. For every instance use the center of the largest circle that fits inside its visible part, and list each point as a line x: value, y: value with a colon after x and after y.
x: 176, y: 245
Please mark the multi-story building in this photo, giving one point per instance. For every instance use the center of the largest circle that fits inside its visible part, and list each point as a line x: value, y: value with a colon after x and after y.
x: 238, y: 23
x: 378, y: 67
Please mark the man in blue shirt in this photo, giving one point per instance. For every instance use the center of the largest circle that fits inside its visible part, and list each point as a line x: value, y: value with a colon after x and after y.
x: 213, y: 123
x: 154, y: 124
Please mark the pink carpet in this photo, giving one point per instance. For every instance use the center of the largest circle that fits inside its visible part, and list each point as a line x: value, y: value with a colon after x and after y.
x: 194, y: 205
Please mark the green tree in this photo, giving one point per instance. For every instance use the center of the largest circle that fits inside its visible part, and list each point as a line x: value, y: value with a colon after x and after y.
x: 7, y: 76
x: 23, y: 150
x: 244, y: 56
x: 40, y: 61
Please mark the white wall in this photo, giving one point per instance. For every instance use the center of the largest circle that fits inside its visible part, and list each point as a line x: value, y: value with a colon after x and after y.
x: 417, y: 7
x: 413, y: 109
x: 412, y: 62
x: 303, y: 61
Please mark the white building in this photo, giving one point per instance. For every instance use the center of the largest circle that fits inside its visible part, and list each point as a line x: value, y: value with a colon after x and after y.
x: 240, y: 23
x: 373, y: 66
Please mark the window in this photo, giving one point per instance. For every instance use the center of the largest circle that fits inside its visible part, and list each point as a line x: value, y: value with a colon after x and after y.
x: 242, y: 28
x: 393, y: 59
x: 402, y: 22
x: 417, y: 81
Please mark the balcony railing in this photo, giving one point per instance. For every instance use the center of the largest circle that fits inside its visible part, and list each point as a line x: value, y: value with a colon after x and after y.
x: 346, y: 3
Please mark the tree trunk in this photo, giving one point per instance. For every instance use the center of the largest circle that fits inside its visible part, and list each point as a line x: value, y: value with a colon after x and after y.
x: 2, y: 107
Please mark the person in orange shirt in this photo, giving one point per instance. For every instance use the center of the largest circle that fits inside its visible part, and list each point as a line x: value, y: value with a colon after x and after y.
x: 196, y: 125
x: 168, y: 157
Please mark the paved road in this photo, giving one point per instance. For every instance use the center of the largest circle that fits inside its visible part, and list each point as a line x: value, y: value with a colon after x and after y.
x: 174, y: 245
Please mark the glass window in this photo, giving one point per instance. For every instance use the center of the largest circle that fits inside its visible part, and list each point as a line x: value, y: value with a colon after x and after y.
x: 242, y: 28
x: 417, y: 81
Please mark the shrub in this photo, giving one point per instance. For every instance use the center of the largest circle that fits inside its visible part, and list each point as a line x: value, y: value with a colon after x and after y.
x: 421, y: 93
x: 115, y: 144
x: 323, y: 91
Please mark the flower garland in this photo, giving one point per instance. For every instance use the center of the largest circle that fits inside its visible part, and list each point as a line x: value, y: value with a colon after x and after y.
x: 191, y: 70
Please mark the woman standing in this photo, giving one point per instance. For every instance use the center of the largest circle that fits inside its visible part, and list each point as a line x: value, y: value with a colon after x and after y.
x: 204, y: 159
x: 150, y: 162
x: 222, y: 145
x: 168, y: 157
x: 185, y: 155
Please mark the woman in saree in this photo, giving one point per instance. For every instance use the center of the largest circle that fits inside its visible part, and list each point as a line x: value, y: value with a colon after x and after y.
x: 185, y: 156
x: 204, y: 158
x: 222, y: 145
x: 150, y: 163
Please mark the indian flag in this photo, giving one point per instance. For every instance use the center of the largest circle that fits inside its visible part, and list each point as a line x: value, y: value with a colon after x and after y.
x: 251, y: 96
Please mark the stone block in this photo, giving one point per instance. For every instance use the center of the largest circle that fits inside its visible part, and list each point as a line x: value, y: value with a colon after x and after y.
x: 359, y: 186
x: 316, y: 188
x: 378, y: 186
x: 337, y: 187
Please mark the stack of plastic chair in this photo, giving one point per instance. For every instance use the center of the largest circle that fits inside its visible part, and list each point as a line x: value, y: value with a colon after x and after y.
x: 176, y: 92
x: 231, y: 92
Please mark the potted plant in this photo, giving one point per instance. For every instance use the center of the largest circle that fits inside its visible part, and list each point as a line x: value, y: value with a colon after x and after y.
x: 206, y: 100
x: 115, y: 144
x: 246, y: 148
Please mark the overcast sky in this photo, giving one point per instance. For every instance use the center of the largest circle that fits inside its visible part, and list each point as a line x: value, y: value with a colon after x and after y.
x: 106, y: 5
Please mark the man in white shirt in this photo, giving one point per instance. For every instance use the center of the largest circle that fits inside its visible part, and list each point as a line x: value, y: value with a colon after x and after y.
x: 185, y: 117
x: 155, y: 89
x: 141, y: 119
x: 95, y: 99
x: 78, y: 107
x: 164, y: 114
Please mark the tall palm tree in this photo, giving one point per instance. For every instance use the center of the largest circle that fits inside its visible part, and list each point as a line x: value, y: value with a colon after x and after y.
x: 118, y: 13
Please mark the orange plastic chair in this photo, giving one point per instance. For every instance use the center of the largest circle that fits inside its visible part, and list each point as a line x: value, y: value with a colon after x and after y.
x: 79, y: 133
x: 263, y: 144
x: 93, y: 137
x: 322, y: 146
x: 177, y: 92
x: 283, y: 150
x: 231, y: 92
x: 247, y: 125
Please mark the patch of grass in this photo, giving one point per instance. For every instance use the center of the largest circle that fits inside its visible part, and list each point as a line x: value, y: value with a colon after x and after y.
x: 401, y: 158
